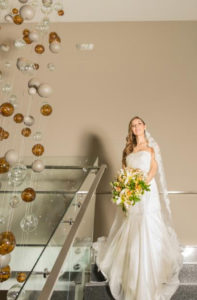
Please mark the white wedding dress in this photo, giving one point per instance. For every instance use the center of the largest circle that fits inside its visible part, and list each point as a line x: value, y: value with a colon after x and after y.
x: 140, y: 258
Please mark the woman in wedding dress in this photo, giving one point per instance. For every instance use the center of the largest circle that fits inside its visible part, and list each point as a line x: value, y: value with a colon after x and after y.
x: 141, y: 257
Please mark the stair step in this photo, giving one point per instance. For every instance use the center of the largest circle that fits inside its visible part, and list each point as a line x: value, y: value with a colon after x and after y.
x: 185, y: 292
x: 188, y: 274
x: 97, y: 291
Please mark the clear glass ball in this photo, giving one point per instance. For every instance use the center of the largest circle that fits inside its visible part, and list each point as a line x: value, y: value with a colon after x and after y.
x: 17, y: 174
x: 13, y: 292
x: 15, y: 201
x: 29, y: 223
x: 37, y: 136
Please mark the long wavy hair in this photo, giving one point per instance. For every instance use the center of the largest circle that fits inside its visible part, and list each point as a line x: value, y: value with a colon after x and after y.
x: 131, y: 141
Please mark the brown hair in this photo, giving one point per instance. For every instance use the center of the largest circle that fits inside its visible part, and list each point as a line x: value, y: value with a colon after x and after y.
x: 130, y: 141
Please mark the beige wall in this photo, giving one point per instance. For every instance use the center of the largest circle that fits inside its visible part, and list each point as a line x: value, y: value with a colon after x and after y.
x: 137, y: 68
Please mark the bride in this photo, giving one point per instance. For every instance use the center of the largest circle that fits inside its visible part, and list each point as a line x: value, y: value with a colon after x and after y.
x: 141, y: 257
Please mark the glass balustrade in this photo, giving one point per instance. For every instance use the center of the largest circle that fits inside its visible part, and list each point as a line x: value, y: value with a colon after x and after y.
x: 42, y: 226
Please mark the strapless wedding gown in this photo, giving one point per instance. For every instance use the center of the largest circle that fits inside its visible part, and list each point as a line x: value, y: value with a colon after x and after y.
x: 139, y: 257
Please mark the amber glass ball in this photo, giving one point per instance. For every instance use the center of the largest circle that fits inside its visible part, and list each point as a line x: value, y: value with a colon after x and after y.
x: 28, y: 195
x: 7, y: 242
x: 60, y: 12
x: 36, y: 66
x: 38, y: 149
x: 18, y: 118
x: 1, y: 134
x: 5, y: 273
x: 27, y: 39
x: 26, y: 131
x: 15, y: 11
x: 39, y: 49
x: 26, y: 31
x: 6, y: 109
x: 21, y: 277
x: 5, y: 134
x: 18, y: 19
x: 46, y: 110
x: 4, y: 166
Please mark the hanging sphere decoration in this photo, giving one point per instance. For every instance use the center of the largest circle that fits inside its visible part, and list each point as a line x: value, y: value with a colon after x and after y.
x: 5, y: 134
x: 4, y: 260
x: 37, y: 136
x: 29, y: 120
x: 27, y: 39
x: 6, y: 109
x: 26, y: 132
x: 17, y: 174
x: 7, y: 242
x: 28, y: 195
x: 60, y: 12
x: 18, y: 118
x: 15, y: 11
x: 14, y: 201
x: 1, y: 133
x: 34, y: 36
x: 34, y: 82
x: 32, y: 91
x: 29, y: 223
x: 13, y: 292
x: 54, y: 47
x: 38, y: 166
x: 4, y: 166
x: 39, y: 49
x: 44, y: 90
x: 26, y: 31
x: 21, y: 277
x: 27, y: 12
x: 5, y: 273
x: 38, y: 149
x: 18, y: 20
x: 46, y: 110
x: 11, y: 157
x: 36, y: 66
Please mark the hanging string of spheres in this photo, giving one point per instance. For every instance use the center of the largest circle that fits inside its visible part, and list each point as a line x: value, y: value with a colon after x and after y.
x: 10, y: 162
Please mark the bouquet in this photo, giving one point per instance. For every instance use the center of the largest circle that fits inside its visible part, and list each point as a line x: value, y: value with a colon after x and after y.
x: 128, y: 187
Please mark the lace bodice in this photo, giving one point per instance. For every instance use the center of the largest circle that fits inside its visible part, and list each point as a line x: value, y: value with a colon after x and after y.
x: 140, y: 159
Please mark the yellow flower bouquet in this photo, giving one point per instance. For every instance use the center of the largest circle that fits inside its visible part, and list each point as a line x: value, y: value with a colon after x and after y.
x: 128, y: 187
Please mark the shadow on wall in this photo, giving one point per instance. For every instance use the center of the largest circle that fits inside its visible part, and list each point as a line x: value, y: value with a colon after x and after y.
x: 93, y: 146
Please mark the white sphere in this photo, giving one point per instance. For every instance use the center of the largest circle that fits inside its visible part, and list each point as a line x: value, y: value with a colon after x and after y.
x: 34, y: 36
x: 55, y: 47
x: 44, y: 90
x: 5, y: 47
x: 34, y: 82
x: 21, y: 61
x: 38, y: 166
x: 29, y: 120
x: 8, y: 18
x: 11, y: 156
x: 4, y: 260
x: 27, y: 12
x: 32, y: 90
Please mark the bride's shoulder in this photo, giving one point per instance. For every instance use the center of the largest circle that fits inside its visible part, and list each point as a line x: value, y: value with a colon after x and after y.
x: 152, y: 151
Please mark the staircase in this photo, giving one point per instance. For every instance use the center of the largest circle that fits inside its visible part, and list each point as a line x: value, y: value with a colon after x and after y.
x: 98, y: 289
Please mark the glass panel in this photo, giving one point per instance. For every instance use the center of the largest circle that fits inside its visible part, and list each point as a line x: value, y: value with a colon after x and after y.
x: 56, y: 189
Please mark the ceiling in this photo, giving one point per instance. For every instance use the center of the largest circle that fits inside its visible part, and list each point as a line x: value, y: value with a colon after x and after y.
x: 122, y: 10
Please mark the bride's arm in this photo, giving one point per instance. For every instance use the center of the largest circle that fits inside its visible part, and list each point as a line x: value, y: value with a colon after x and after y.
x: 153, y: 168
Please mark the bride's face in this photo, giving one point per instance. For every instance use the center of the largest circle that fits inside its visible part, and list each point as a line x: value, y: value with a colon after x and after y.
x: 138, y: 127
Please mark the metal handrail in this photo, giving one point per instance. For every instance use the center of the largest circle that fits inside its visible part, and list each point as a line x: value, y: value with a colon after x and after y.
x: 169, y: 192
x: 50, y: 283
